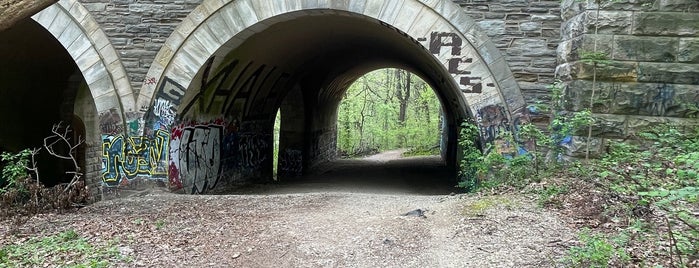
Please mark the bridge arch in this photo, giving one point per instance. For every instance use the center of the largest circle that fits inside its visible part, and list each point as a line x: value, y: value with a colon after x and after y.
x: 216, y: 27
x: 73, y: 26
x: 207, y: 84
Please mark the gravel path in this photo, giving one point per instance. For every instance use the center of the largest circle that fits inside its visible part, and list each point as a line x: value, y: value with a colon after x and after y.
x: 312, y: 223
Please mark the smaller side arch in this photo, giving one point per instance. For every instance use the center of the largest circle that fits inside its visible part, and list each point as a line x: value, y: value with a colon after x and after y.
x: 73, y: 26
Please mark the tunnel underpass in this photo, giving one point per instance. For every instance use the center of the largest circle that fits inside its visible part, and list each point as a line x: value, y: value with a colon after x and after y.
x: 222, y: 76
x: 302, y: 67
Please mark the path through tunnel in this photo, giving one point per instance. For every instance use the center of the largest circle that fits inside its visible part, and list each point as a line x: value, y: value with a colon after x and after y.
x: 226, y: 92
x: 383, y: 173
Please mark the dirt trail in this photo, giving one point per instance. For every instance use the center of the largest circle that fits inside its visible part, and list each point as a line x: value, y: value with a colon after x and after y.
x: 379, y: 215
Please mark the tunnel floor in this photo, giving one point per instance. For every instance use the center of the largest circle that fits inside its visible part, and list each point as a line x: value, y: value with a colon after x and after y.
x: 385, y: 173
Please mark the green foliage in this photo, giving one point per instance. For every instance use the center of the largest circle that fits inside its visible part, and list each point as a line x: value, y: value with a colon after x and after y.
x: 594, y: 57
x: 493, y: 170
x: 275, y: 148
x: 54, y: 249
x: 159, y: 224
x: 14, y: 170
x: 659, y: 168
x: 421, y: 151
x: 472, y: 160
x: 595, y: 251
x: 369, y: 116
x: 548, y: 194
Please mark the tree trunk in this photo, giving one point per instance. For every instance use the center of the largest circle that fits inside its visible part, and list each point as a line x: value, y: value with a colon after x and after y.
x: 403, y: 94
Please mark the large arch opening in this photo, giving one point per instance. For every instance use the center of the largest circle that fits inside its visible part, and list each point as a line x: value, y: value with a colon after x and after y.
x: 301, y: 67
x: 40, y: 85
x: 224, y: 75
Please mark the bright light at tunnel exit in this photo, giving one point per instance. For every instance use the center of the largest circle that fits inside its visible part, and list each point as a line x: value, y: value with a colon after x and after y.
x: 389, y: 109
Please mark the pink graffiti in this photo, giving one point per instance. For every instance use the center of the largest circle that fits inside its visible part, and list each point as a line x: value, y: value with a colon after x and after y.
x: 150, y: 81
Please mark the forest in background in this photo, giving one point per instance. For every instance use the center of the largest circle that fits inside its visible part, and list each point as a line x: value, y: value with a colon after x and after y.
x: 388, y: 109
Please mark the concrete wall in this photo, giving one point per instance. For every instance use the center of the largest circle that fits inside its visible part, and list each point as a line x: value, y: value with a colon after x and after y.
x: 652, y: 72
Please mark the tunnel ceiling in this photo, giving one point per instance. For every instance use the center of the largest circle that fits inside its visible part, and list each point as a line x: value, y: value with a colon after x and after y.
x: 322, y: 54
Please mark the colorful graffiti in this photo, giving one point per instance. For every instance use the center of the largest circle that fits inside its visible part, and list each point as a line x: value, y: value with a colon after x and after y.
x: 125, y: 158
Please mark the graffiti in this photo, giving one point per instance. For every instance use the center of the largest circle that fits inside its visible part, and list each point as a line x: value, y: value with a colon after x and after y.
x: 662, y: 100
x: 171, y: 91
x: 290, y: 163
x: 195, y: 157
x: 253, y: 150
x: 455, y: 44
x: 492, y: 120
x: 250, y: 84
x: 128, y: 157
x: 110, y: 122
x: 455, y: 64
x: 150, y: 81
x: 165, y: 111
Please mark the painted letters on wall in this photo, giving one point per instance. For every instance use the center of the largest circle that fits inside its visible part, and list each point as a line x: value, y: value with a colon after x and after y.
x: 195, y: 157
x: 125, y: 158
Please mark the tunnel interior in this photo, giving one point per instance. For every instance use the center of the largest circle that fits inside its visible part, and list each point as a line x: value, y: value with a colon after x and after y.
x: 39, y: 84
x: 300, y: 66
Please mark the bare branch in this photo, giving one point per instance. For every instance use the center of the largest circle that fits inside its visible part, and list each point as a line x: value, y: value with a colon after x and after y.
x: 60, y: 136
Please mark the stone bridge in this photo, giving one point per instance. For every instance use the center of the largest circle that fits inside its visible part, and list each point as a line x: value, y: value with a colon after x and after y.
x: 184, y: 93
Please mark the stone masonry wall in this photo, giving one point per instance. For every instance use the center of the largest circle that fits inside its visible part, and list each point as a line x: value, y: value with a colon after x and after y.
x: 138, y: 29
x: 528, y: 33
x: 651, y: 74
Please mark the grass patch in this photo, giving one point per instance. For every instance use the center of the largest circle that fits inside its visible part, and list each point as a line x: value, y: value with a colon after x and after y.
x: 66, y: 249
x: 422, y: 151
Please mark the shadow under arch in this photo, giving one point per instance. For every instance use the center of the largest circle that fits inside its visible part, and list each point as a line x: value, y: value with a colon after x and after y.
x: 218, y: 66
x: 75, y: 29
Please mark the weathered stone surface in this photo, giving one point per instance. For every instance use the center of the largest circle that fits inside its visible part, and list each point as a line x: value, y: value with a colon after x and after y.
x: 638, y: 124
x: 676, y: 73
x: 12, y: 11
x: 634, y: 5
x: 609, y: 126
x: 530, y: 26
x: 607, y: 71
x: 609, y: 22
x: 574, y: 27
x: 646, y: 99
x: 577, y: 148
x: 666, y: 23
x: 688, y: 6
x: 571, y: 8
x: 593, y: 43
x: 530, y: 47
x: 492, y: 27
x: 688, y: 50
x: 645, y: 48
